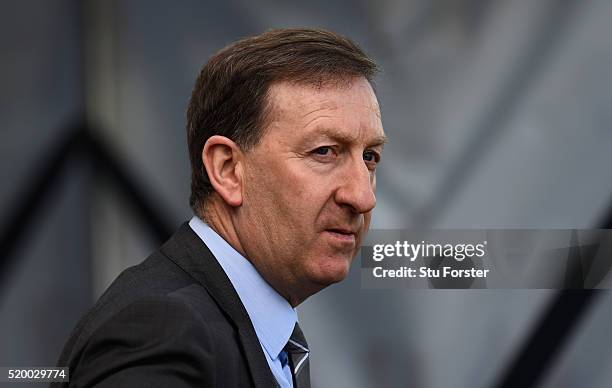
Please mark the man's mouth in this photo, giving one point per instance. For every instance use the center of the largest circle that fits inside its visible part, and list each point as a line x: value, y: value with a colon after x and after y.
x: 341, y: 231
x: 342, y: 234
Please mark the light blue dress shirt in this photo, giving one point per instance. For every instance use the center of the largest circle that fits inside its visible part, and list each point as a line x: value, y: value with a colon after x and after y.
x: 272, y: 316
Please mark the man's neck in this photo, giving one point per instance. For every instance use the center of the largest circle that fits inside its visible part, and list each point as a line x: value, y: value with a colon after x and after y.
x: 218, y: 217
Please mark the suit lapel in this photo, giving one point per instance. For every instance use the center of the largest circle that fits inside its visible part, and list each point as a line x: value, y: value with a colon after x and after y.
x: 190, y: 253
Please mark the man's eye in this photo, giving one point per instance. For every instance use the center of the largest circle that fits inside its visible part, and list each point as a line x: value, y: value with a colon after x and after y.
x: 371, y: 156
x: 323, y: 151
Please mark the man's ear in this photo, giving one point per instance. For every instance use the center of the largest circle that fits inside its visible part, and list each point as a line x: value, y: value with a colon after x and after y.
x: 223, y: 161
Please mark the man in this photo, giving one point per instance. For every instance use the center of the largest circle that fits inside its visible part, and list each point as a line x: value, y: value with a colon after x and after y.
x: 284, y: 137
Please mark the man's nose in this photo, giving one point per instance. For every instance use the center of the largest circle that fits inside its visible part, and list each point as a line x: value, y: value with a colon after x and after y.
x: 357, y: 188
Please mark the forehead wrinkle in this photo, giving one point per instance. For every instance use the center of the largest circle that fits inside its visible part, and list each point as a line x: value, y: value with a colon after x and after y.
x: 306, y: 125
x: 324, y: 105
x: 344, y: 136
x: 376, y: 109
x: 330, y: 105
x: 287, y: 110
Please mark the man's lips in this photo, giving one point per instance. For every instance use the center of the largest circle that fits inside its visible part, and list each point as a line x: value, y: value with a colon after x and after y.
x: 342, y: 230
x: 342, y: 234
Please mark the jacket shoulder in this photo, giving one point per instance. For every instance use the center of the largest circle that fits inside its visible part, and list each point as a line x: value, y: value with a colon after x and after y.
x: 154, y: 322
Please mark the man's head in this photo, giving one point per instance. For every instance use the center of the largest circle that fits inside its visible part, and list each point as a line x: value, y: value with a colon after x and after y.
x: 284, y: 136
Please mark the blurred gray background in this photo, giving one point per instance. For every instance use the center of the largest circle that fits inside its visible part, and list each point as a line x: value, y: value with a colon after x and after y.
x: 499, y: 115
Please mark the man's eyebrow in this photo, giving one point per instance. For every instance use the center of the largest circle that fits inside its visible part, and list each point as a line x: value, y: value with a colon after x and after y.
x: 343, y: 137
x: 379, y: 140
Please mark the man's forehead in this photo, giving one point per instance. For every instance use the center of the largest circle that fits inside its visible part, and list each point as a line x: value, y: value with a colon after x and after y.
x: 305, y: 114
x: 299, y: 101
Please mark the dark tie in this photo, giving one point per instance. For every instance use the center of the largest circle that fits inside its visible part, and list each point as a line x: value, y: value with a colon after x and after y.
x: 299, y: 362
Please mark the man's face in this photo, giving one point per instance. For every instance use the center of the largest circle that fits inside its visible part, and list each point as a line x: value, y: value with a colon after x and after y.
x: 310, y: 185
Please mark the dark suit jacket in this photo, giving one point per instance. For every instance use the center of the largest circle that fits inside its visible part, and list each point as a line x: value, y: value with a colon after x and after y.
x: 172, y: 321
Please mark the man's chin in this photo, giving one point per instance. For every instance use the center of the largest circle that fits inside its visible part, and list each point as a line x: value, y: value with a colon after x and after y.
x: 331, y: 272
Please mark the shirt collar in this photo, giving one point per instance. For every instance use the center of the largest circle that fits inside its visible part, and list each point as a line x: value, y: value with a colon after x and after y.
x: 272, y: 316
